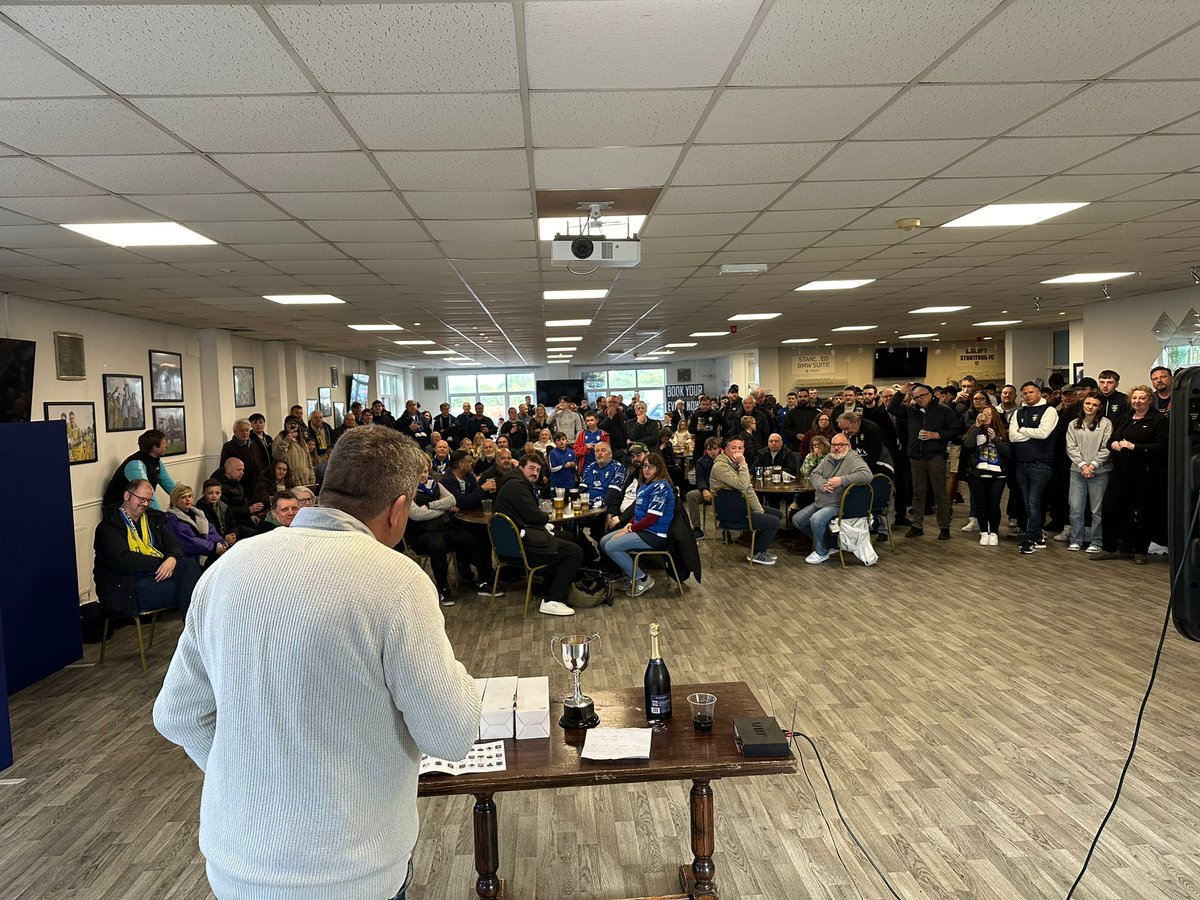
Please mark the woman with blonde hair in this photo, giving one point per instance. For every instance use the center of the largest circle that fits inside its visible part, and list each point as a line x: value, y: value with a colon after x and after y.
x: 197, y: 536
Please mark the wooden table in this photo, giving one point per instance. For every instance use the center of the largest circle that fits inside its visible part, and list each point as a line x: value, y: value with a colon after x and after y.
x: 770, y: 488
x: 677, y: 753
x: 479, y: 517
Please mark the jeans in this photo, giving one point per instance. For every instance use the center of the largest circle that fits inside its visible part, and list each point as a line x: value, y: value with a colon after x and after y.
x: 767, y: 523
x: 620, y: 547
x: 695, y: 499
x: 1087, y: 492
x: 564, y: 561
x: 1033, y: 476
x: 814, y: 520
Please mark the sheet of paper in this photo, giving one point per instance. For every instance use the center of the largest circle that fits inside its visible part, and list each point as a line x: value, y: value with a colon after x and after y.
x: 482, y: 758
x: 617, y: 743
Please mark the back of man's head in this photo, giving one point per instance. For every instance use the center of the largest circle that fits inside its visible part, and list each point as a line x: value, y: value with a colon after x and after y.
x: 368, y: 469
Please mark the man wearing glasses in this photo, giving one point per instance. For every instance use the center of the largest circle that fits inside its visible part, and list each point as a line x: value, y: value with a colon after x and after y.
x: 930, y: 426
x: 139, y: 564
x: 833, y: 475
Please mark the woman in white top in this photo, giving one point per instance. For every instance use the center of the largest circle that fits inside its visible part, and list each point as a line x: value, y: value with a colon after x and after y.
x: 681, y: 440
x: 1087, y: 448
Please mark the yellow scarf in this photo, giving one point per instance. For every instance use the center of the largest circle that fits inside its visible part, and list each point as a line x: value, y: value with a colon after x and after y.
x: 140, y: 543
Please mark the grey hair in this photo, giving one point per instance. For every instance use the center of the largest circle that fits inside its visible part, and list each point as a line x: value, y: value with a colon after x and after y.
x: 301, y: 489
x: 368, y: 469
x: 238, y: 423
x: 850, y: 418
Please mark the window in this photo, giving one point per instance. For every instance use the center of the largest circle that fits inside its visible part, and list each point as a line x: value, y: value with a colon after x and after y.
x: 497, y: 391
x: 648, y: 384
x: 391, y: 392
x: 1180, y: 357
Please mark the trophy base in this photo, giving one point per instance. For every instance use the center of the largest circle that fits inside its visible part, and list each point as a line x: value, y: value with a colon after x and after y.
x: 579, y: 717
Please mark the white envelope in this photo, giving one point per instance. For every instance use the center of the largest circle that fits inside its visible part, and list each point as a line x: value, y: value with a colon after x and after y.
x: 496, y: 717
x: 533, y: 708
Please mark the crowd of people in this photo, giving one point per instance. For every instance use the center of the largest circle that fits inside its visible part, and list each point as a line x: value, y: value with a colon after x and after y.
x: 1082, y: 464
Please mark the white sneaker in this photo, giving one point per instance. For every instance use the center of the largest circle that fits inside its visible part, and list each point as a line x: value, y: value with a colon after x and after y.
x: 1093, y: 548
x: 993, y: 539
x: 1074, y: 545
x: 555, y: 608
x: 641, y: 587
x: 983, y: 540
x: 971, y: 526
x: 763, y: 558
x: 816, y: 558
x: 1012, y: 524
x: 1157, y: 549
x: 1062, y: 536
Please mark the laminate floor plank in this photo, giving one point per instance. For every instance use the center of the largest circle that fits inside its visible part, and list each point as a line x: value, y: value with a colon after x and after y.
x: 973, y: 708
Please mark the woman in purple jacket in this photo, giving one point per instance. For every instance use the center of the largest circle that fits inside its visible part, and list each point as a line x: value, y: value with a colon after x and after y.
x: 198, y: 538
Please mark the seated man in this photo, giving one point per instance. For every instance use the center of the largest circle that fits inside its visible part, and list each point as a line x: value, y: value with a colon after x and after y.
x: 139, y: 564
x: 460, y: 481
x: 245, y: 511
x: 284, y: 507
x: 518, y: 499
x: 500, y: 466
x: 441, y: 458
x: 730, y: 471
x: 604, y: 481
x: 775, y: 454
x: 837, y: 471
x: 702, y: 493
x: 217, y: 510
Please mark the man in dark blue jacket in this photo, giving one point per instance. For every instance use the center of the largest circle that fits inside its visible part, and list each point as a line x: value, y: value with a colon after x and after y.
x: 1031, y: 434
x: 460, y: 481
x: 702, y: 493
x: 930, y: 427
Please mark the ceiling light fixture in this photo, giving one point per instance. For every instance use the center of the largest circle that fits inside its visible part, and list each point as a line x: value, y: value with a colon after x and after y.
x: 562, y: 340
x: 1000, y: 215
x: 692, y: 344
x: 742, y: 269
x: 937, y: 309
x: 918, y: 335
x: 836, y: 285
x: 708, y: 334
x: 1086, y: 277
x: 376, y: 327
x: 999, y: 322
x: 597, y: 294
x: 439, y: 352
x: 562, y: 349
x: 800, y: 341
x: 141, y: 234
x: 753, y: 317
x: 302, y: 299
x: 568, y: 323
x: 854, y: 328
x: 414, y: 343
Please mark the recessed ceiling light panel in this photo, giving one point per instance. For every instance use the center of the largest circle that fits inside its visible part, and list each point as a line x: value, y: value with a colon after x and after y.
x: 597, y: 294
x: 562, y: 340
x: 692, y: 344
x: 376, y: 327
x: 998, y: 322
x: 708, y: 334
x: 302, y: 299
x: 438, y: 352
x: 800, y: 341
x: 141, y: 234
x: 753, y: 317
x: 414, y: 343
x: 1006, y: 215
x: 568, y: 323
x: 854, y: 328
x: 844, y: 284
x: 918, y: 335
x: 938, y: 309
x: 1086, y: 277
x: 743, y: 268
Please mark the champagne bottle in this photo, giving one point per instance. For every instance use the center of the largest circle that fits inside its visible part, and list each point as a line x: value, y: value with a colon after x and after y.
x: 658, y: 681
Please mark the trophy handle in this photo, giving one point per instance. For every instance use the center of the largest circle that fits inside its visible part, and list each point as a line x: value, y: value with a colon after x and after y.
x: 553, y: 653
x: 594, y: 638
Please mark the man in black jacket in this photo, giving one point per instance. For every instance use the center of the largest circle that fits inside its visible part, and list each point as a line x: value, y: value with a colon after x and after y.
x: 380, y: 415
x: 518, y: 499
x: 460, y: 481
x: 446, y: 425
x: 412, y: 424
x: 479, y: 423
x: 799, y: 419
x: 775, y: 454
x: 139, y: 565
x: 614, y: 422
x: 705, y: 423
x: 930, y: 426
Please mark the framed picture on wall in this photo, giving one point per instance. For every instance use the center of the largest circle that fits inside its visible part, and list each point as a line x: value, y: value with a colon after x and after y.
x: 325, y: 402
x: 80, y: 419
x: 171, y: 421
x: 243, y: 386
x: 69, y: 362
x: 339, y: 413
x: 124, y: 406
x: 309, y: 405
x: 1076, y: 372
x: 166, y: 377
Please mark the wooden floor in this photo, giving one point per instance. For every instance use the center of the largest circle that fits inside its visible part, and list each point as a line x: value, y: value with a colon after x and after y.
x: 974, y: 707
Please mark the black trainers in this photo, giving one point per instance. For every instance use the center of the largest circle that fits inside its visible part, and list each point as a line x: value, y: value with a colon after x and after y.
x: 915, y: 532
x: 1026, y: 548
x: 484, y: 589
x: 444, y: 597
x: 944, y: 534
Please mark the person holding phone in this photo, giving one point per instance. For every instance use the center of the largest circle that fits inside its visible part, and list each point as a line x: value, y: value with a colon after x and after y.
x: 987, y: 452
x: 291, y: 445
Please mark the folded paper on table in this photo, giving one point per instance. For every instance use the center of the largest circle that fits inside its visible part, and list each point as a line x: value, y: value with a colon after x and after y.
x: 617, y: 743
x: 481, y: 758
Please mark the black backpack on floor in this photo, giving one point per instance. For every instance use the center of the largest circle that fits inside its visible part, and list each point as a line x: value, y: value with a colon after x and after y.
x: 590, y: 589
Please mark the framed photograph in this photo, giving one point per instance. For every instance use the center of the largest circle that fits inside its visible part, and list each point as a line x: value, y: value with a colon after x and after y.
x: 339, y: 413
x: 68, y: 356
x: 309, y: 405
x: 325, y: 402
x: 333, y: 376
x: 166, y: 377
x: 124, y: 403
x: 171, y: 422
x: 243, y: 386
x: 80, y: 419
x: 1076, y: 372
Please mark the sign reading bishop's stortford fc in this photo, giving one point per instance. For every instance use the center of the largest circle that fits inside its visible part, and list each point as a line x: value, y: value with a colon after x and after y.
x: 984, y: 361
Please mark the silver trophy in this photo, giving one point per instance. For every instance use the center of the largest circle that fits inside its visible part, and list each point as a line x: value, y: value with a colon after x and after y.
x: 573, y: 653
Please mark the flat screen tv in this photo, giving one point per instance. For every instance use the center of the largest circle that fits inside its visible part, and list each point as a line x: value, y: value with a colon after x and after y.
x: 901, y: 363
x: 16, y: 379
x: 548, y: 392
x: 360, y: 387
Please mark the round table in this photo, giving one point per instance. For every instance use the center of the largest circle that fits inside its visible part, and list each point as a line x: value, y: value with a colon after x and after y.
x: 479, y: 517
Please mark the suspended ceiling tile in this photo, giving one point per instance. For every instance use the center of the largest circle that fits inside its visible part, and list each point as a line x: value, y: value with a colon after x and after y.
x: 19, y: 237
x: 464, y: 170
x: 931, y: 216
x: 367, y: 230
x: 1165, y: 153
x: 891, y: 159
x: 435, y: 121
x: 840, y: 194
x: 59, y: 210
x: 748, y: 163
x: 962, y: 110
x: 202, y: 253
x: 1075, y: 188
x: 1175, y: 187
x: 604, y: 167
x: 250, y: 124
x: 635, y: 45
x: 952, y: 191
x: 42, y: 127
x: 871, y: 42
x: 485, y: 250
x: 421, y: 249
x: 26, y: 70
x: 775, y: 241
x: 289, y: 251
x: 770, y: 115
x: 243, y: 207
x: 342, y: 205
x: 1051, y: 40
x: 1030, y: 156
x: 1131, y: 108
x: 393, y: 266
x: 481, y: 230
x: 304, y: 171
x: 719, y: 199
x: 176, y: 173
x: 700, y: 223
x: 405, y: 47
x: 694, y: 244
x: 8, y: 217
x: 804, y: 220
x: 614, y: 118
x: 1190, y: 125
x: 23, y: 177
x: 470, y: 204
x: 167, y: 49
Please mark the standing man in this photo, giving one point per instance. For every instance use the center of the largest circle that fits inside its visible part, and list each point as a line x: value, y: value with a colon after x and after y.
x: 446, y: 425
x: 241, y: 447
x: 930, y: 426
x: 381, y: 416
x: 613, y: 422
x: 145, y: 465
x: 324, y: 709
x: 1031, y: 435
x: 1162, y: 380
x: 705, y: 423
x: 799, y: 418
x: 412, y: 424
x: 566, y: 420
x: 1115, y: 403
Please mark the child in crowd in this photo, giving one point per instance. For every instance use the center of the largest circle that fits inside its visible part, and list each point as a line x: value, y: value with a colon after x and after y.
x: 563, y: 465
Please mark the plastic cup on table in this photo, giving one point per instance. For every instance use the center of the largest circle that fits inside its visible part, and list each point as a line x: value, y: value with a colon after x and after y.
x: 702, y: 710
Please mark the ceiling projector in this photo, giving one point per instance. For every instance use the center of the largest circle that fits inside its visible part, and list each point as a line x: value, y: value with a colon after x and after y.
x: 566, y: 250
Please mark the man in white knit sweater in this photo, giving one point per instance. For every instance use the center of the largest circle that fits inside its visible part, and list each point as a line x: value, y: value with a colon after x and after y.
x: 307, y: 700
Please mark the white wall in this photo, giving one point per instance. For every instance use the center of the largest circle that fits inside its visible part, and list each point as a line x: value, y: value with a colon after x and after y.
x: 120, y: 345
x: 1117, y: 333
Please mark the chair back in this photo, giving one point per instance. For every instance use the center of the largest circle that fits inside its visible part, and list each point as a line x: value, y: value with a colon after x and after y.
x: 856, y: 502
x: 506, y: 538
x: 883, y: 487
x: 731, y: 509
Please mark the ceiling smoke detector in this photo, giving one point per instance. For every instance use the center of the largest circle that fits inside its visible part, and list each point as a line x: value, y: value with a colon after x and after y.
x: 909, y: 224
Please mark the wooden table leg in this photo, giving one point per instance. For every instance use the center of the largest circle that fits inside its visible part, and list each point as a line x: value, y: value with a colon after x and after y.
x: 489, y: 886
x: 697, y: 879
